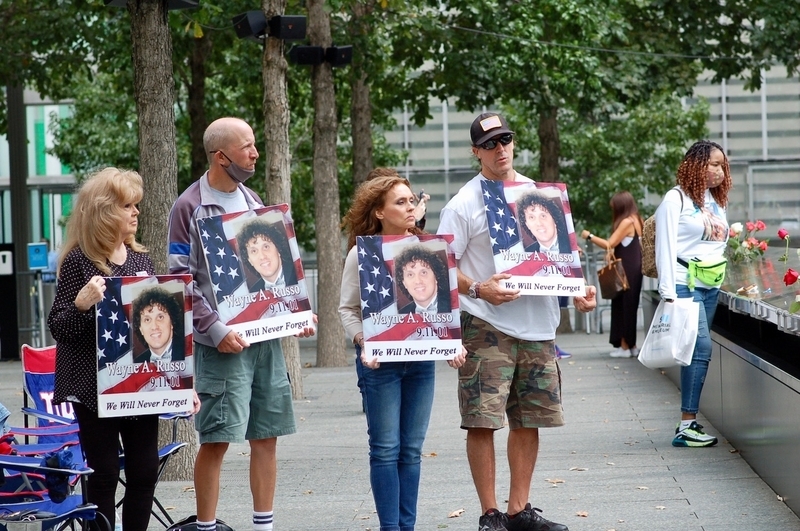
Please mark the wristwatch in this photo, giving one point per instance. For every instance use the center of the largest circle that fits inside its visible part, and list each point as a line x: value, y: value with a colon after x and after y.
x: 475, y: 290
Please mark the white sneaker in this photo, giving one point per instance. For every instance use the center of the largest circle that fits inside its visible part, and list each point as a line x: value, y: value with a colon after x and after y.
x: 620, y: 353
x: 634, y: 352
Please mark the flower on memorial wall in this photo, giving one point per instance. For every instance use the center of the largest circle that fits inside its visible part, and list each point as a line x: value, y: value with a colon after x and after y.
x: 783, y: 234
x: 743, y: 245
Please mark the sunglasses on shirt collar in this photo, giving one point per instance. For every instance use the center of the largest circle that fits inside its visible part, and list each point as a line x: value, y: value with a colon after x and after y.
x: 503, y: 139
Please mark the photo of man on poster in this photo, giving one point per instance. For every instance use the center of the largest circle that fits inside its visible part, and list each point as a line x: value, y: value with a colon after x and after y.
x: 265, y: 254
x: 157, y: 322
x: 422, y: 280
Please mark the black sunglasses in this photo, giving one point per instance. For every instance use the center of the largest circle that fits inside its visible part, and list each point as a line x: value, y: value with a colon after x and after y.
x: 503, y: 139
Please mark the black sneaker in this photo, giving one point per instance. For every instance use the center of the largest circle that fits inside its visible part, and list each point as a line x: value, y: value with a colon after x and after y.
x: 529, y: 520
x: 493, y: 520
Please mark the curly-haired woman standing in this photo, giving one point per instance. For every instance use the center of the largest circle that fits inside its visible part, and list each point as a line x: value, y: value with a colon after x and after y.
x: 398, y: 395
x: 691, y: 223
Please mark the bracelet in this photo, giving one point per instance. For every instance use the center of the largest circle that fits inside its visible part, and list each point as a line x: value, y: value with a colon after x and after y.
x: 589, y: 237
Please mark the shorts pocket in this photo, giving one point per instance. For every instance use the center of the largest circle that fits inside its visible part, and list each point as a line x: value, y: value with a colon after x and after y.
x: 469, y: 378
x: 214, y: 409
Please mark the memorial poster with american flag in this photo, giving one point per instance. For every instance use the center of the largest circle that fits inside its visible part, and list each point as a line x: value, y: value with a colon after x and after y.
x: 533, y: 237
x: 145, y: 356
x: 409, y: 297
x: 256, y: 272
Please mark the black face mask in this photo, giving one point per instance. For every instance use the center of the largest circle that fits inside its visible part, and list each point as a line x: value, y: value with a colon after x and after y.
x: 236, y: 172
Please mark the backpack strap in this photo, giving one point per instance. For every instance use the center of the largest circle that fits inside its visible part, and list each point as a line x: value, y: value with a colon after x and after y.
x: 680, y: 193
x: 681, y: 261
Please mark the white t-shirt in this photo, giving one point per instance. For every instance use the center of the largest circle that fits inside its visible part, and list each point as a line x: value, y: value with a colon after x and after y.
x: 530, y: 317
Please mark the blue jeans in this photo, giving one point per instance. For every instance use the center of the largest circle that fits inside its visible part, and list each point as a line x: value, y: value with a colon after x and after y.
x: 399, y: 397
x: 694, y: 376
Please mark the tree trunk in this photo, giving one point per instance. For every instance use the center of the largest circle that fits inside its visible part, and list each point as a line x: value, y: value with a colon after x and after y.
x: 330, y: 342
x: 550, y: 145
x: 181, y: 464
x: 277, y: 156
x: 201, y: 49
x: 151, y: 45
x: 361, y: 106
x: 154, y: 94
x: 361, y: 123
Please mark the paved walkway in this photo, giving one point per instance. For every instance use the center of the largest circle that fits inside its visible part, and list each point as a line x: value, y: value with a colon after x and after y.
x: 612, y: 466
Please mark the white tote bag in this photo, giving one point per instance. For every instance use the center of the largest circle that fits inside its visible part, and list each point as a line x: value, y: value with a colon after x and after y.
x: 672, y: 335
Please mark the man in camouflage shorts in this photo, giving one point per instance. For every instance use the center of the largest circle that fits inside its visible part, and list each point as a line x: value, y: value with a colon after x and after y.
x: 511, y: 369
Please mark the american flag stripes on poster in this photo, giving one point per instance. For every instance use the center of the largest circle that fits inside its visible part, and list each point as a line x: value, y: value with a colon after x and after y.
x: 533, y: 237
x: 256, y: 272
x: 409, y: 297
x: 144, y: 346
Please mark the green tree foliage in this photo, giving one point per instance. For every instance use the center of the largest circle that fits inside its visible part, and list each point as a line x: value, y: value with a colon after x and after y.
x: 45, y: 45
x: 101, y: 129
x: 523, y: 53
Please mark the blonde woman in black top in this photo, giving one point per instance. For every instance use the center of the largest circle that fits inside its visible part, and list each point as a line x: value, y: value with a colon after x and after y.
x: 101, y: 242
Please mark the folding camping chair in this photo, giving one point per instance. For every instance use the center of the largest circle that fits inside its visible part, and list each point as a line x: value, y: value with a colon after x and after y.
x: 44, y: 513
x: 38, y: 366
x: 38, y: 383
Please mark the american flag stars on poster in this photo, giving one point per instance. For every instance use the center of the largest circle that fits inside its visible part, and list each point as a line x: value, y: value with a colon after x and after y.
x: 111, y: 319
x: 377, y: 287
x: 503, y: 229
x: 223, y: 263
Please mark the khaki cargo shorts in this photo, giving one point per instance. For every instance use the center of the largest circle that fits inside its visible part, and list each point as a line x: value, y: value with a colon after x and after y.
x: 505, y: 376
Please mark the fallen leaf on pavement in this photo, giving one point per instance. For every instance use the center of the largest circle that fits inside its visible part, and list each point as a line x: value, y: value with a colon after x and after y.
x: 660, y: 507
x: 643, y: 488
x: 188, y: 489
x: 456, y: 513
x: 583, y: 514
x: 579, y: 469
x: 555, y: 480
x: 432, y: 454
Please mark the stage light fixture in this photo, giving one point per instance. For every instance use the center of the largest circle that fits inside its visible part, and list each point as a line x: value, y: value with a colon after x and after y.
x: 254, y: 25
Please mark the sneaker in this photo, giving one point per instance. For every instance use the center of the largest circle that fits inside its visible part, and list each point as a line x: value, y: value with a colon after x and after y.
x: 493, y: 520
x: 561, y: 355
x: 634, y: 352
x: 693, y: 436
x: 620, y: 353
x: 529, y: 520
